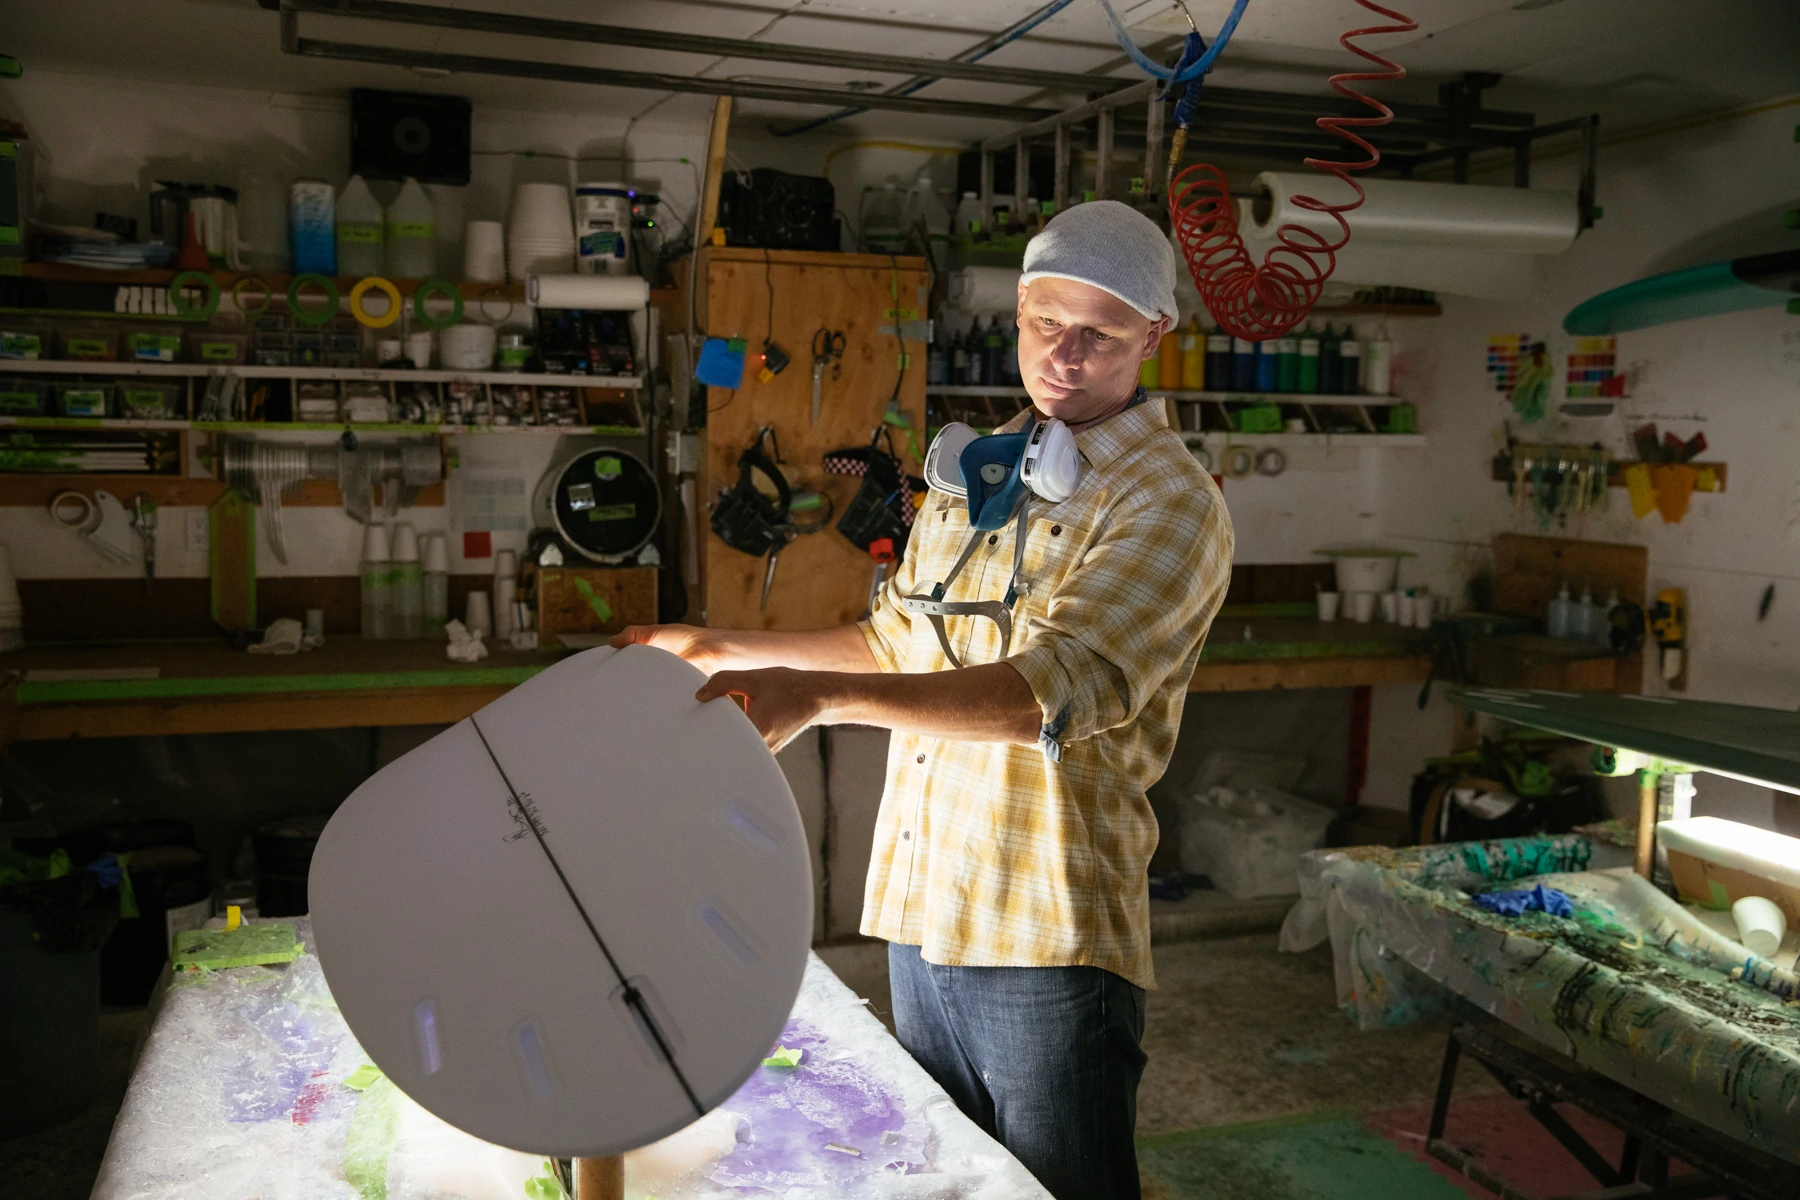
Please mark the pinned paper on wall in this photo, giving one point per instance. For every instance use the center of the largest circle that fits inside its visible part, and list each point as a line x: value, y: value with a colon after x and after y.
x: 489, y: 492
x: 1591, y: 364
x: 1504, y: 350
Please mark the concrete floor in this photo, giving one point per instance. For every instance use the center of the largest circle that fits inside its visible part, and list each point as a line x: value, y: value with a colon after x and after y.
x: 1236, y: 1032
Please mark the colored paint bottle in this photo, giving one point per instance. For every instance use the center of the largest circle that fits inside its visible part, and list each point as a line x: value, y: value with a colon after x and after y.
x: 1328, y: 362
x: 1307, y: 375
x: 1193, y: 357
x: 1268, y: 375
x: 1243, y: 365
x: 1287, y: 362
x: 1168, y: 378
x: 1349, y: 364
x: 976, y: 360
x: 1218, y: 360
x: 959, y: 362
x: 1150, y: 372
x: 993, y: 352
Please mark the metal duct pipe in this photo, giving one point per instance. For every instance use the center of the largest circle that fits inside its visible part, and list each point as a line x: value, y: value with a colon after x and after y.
x: 655, y: 39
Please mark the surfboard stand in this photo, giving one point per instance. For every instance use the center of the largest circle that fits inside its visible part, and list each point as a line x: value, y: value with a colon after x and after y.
x: 600, y: 1178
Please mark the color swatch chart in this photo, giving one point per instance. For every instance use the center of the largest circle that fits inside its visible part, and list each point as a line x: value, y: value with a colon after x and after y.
x: 1590, y: 365
x: 1504, y: 350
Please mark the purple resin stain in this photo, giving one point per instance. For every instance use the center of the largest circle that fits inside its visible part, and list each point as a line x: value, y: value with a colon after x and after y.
x: 270, y: 1083
x: 795, y: 1113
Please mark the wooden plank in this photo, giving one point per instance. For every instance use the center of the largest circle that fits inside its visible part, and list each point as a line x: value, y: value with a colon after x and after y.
x: 594, y: 599
x: 715, y: 171
x: 1262, y: 675
x: 251, y: 714
x: 821, y: 579
x: 1531, y: 660
x: 34, y: 491
x: 810, y: 258
x: 1530, y: 570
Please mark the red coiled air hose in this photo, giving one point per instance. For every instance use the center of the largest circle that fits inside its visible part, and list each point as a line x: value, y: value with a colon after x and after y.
x: 1261, y: 302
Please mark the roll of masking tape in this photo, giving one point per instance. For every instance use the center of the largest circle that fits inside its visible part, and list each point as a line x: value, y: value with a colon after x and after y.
x: 179, y: 301
x: 73, y: 510
x: 313, y: 316
x: 375, y: 283
x: 422, y: 316
x: 237, y: 295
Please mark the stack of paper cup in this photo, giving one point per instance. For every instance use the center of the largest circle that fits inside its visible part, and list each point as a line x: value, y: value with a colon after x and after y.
x: 418, y: 348
x: 506, y: 586
x: 476, y: 617
x: 484, y: 252
x: 540, y: 238
x: 12, y: 615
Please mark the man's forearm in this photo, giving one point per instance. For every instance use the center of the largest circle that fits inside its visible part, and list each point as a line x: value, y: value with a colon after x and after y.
x: 989, y: 703
x: 841, y: 648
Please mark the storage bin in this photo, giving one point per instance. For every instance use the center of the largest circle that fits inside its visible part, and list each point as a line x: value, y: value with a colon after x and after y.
x: 24, y: 397
x: 84, y: 398
x: 24, y: 342
x: 88, y: 343
x: 148, y: 400
x: 1250, y: 842
x: 157, y: 344
x: 216, y: 346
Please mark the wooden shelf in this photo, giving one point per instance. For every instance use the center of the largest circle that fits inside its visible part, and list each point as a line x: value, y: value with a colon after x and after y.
x: 178, y: 426
x: 51, y: 272
x: 1223, y: 438
x: 353, y: 374
x: 938, y: 389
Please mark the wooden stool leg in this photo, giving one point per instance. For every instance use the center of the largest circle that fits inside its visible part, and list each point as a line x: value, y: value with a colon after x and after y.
x: 600, y: 1178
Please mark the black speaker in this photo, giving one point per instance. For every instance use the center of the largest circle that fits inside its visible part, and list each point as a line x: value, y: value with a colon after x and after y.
x: 396, y: 134
x: 779, y: 211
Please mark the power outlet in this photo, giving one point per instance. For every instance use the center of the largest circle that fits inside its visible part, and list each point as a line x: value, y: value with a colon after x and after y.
x: 196, y: 531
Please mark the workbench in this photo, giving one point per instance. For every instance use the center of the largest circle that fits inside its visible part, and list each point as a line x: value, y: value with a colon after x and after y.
x: 1634, y: 988
x: 145, y: 688
x: 250, y: 1084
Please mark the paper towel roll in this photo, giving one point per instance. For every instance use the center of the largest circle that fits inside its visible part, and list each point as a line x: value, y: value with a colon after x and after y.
x: 1453, y: 270
x: 1403, y: 212
x: 610, y: 293
x: 985, y: 289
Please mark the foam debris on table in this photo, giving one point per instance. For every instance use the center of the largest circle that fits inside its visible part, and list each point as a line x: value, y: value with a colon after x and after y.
x: 250, y: 1084
x: 1633, y: 984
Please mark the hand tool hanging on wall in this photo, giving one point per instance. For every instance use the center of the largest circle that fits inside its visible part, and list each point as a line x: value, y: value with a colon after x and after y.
x: 268, y: 472
x: 883, y: 506
x: 828, y: 350
x: 144, y: 518
x: 102, y: 521
x: 749, y: 519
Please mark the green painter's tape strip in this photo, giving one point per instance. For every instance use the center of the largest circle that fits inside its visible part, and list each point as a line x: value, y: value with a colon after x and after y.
x: 71, y: 691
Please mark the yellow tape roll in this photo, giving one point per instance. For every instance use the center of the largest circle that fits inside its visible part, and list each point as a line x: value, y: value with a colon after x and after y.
x: 362, y: 288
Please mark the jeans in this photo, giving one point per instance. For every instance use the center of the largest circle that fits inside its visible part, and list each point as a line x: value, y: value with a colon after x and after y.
x: 1045, y: 1059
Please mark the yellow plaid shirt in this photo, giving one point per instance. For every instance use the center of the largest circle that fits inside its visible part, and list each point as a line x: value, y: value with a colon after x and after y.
x: 989, y: 854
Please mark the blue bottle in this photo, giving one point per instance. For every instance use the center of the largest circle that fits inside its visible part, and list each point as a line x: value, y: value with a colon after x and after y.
x: 1267, y: 363
x: 1243, y: 365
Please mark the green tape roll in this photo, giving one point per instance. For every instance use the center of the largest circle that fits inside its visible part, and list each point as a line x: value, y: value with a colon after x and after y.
x: 312, y: 316
x: 181, y: 306
x: 237, y: 295
x: 438, y: 286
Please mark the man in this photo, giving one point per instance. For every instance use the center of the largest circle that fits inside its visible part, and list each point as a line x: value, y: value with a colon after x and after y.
x: 1011, y: 850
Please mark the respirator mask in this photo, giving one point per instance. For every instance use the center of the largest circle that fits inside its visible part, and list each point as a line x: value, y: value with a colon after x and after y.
x: 997, y: 475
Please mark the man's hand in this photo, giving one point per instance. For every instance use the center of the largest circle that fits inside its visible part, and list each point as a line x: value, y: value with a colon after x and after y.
x: 689, y: 642
x: 780, y: 702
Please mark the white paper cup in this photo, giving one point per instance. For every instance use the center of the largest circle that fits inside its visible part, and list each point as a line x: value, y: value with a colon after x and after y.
x: 505, y: 589
x: 1390, y: 606
x: 467, y: 347
x: 1761, y: 925
x: 387, y: 350
x: 315, y: 622
x: 406, y: 543
x: 477, y: 618
x: 418, y: 348
x: 437, y: 552
x: 1423, y: 608
x: 1362, y: 606
x: 375, y: 542
x: 1328, y: 605
x: 1403, y: 610
x: 484, y: 252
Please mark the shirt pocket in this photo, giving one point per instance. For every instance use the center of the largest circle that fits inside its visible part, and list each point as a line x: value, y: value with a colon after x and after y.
x: 1054, y: 548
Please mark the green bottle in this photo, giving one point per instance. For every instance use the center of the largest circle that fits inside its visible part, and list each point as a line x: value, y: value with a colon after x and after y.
x: 1308, y: 373
x: 1328, y: 361
x: 1287, y: 363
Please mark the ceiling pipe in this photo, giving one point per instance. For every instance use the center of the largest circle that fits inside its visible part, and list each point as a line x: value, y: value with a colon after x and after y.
x: 507, y: 24
x: 643, y: 80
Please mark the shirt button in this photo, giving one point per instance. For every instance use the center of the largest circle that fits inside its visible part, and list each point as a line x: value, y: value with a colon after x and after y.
x: 992, y: 538
x: 906, y: 836
x: 1056, y: 531
x: 921, y: 758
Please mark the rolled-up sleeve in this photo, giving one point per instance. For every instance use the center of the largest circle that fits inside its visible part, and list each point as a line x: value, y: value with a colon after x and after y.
x: 1139, y: 601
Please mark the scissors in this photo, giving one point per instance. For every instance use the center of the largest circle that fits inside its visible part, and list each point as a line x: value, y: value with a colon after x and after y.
x: 827, y: 348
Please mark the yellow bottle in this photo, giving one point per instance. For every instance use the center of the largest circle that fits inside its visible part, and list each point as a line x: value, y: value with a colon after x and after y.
x: 1169, y: 377
x: 1193, y: 357
x: 1150, y: 373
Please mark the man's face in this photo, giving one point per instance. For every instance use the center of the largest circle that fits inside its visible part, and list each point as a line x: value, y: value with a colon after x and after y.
x: 1080, y: 348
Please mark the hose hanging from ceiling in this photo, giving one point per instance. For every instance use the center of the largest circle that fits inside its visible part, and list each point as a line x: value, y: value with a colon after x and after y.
x: 1261, y: 301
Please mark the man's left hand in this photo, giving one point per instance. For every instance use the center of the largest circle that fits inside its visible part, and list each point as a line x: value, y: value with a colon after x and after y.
x: 780, y: 702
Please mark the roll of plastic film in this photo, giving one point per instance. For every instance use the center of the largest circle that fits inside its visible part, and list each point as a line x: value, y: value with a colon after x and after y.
x: 179, y: 301
x: 375, y: 283
x: 317, y: 316
x: 422, y: 314
x: 237, y: 295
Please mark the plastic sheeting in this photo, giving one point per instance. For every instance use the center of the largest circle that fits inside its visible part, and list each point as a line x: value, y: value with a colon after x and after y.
x: 248, y: 1087
x: 1633, y: 985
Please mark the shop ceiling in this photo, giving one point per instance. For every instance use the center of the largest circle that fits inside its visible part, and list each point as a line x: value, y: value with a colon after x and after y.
x: 1632, y: 61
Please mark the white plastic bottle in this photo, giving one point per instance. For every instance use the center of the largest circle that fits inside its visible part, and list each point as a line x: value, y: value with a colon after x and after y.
x: 1587, y: 616
x: 408, y: 585
x: 411, y: 234
x: 1561, y: 615
x: 968, y: 215
x: 262, y: 222
x: 377, y: 584
x: 359, y: 231
x: 1603, y: 631
x: 881, y: 233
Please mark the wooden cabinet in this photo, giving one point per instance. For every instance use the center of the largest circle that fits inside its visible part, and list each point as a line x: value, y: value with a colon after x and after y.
x: 879, y: 304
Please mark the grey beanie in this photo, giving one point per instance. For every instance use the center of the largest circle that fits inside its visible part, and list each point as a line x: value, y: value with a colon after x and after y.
x: 1111, y: 246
